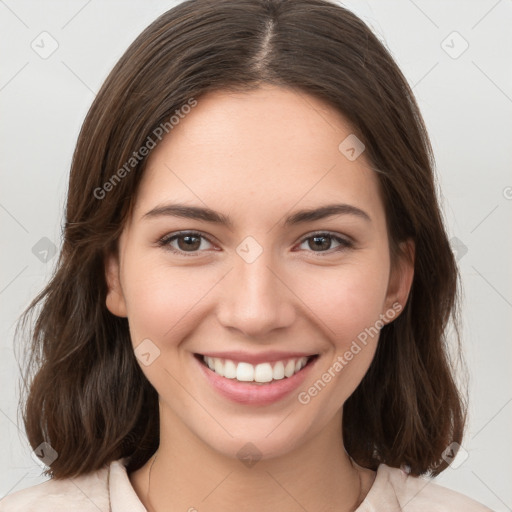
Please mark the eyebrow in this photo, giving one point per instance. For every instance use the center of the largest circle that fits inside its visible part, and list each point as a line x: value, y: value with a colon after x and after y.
x: 299, y: 217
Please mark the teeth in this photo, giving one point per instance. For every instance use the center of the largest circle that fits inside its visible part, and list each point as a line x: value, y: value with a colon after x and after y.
x: 278, y: 372
x: 244, y: 372
x: 229, y: 369
x: 218, y: 367
x: 263, y: 372
x: 289, y: 369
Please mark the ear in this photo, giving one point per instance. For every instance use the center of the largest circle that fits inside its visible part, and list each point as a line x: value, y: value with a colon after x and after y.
x: 115, y: 299
x: 401, y: 277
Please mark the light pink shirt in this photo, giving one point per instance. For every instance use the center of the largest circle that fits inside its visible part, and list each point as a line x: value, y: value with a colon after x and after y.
x: 109, y: 490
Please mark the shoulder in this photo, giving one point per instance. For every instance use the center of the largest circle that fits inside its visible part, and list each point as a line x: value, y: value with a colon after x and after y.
x: 416, y: 494
x: 87, y: 493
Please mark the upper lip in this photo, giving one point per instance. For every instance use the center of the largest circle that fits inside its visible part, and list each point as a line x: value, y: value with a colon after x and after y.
x: 262, y: 357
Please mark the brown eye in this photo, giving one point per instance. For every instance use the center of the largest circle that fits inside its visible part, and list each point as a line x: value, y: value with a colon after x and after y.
x: 322, y: 242
x: 188, y: 242
x: 182, y: 243
x: 319, y: 242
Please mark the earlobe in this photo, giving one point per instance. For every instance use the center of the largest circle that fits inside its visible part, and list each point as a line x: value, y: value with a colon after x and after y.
x: 401, y: 278
x: 115, y: 299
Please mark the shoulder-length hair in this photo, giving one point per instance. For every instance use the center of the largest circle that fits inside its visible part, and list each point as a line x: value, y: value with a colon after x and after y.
x: 84, y: 392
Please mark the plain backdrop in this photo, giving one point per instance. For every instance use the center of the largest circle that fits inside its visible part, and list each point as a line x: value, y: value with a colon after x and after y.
x: 456, y: 56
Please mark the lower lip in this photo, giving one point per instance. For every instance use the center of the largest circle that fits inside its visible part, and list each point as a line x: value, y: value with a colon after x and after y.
x: 250, y: 393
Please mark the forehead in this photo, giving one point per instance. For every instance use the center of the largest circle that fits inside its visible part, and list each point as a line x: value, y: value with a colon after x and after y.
x: 258, y: 151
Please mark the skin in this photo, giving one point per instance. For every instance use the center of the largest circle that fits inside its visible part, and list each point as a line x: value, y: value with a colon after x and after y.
x: 255, y: 157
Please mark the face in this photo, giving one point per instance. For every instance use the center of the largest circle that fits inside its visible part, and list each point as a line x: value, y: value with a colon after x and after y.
x: 251, y: 283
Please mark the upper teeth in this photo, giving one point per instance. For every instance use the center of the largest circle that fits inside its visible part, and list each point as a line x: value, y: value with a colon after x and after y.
x: 263, y: 372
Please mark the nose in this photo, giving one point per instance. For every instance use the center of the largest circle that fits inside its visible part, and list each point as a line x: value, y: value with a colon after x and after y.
x: 255, y: 298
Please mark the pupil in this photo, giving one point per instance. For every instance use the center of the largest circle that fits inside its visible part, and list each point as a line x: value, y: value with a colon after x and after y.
x: 188, y: 244
x: 193, y: 242
x: 325, y: 245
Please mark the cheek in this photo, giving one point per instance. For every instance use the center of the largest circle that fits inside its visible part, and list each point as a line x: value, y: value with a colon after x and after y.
x: 349, y: 307
x: 347, y: 299
x: 163, y: 301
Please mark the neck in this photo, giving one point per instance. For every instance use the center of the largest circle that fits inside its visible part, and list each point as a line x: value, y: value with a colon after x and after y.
x: 186, y: 474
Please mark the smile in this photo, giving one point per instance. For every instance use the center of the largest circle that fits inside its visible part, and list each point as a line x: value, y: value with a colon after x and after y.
x: 261, y: 382
x: 260, y: 373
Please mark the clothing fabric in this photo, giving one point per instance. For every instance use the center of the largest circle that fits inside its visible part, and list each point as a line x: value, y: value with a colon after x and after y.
x: 109, y: 490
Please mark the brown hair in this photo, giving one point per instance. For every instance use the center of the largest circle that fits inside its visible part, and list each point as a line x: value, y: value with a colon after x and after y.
x: 85, y: 393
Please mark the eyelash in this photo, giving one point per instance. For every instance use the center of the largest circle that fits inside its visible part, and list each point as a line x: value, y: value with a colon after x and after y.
x: 167, y: 239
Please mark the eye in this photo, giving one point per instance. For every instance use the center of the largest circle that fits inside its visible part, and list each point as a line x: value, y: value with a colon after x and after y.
x: 189, y: 242
x: 322, y: 242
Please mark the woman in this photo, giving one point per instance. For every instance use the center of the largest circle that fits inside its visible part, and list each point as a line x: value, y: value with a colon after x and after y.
x: 250, y: 305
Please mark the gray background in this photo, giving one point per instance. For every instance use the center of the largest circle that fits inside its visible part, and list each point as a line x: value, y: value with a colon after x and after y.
x: 465, y: 95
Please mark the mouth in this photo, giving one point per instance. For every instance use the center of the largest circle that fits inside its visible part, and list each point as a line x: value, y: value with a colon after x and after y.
x: 255, y: 384
x: 262, y: 373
